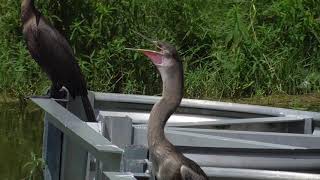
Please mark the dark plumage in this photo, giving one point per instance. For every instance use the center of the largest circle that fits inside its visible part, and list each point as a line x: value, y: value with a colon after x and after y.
x: 54, y: 55
x: 168, y: 163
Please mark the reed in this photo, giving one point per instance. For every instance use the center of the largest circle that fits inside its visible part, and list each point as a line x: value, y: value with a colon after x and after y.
x: 230, y: 48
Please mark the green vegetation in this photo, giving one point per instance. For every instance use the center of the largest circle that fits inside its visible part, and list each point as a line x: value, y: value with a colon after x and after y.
x: 305, y: 102
x: 20, y: 141
x: 230, y: 48
x: 34, y: 167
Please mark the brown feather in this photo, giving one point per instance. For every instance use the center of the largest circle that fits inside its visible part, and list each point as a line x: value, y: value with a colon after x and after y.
x: 53, y: 54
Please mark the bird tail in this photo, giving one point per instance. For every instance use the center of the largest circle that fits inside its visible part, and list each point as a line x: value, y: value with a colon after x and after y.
x: 88, y: 109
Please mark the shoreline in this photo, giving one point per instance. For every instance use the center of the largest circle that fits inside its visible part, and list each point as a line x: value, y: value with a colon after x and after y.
x: 307, y: 102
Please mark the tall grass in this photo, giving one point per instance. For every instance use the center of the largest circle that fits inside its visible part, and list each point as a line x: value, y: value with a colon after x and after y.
x: 230, y: 48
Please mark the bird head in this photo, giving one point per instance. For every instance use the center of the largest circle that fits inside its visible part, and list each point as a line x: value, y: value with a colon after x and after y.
x: 27, y: 6
x: 165, y: 58
x: 169, y: 65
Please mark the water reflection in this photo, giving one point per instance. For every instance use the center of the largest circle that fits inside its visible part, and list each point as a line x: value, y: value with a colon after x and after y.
x: 20, y: 136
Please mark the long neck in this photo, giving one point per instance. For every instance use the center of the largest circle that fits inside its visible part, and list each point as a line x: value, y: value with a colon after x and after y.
x: 27, y: 10
x: 171, y: 97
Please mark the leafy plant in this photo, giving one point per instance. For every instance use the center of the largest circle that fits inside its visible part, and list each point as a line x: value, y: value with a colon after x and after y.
x: 229, y: 48
x: 34, y: 167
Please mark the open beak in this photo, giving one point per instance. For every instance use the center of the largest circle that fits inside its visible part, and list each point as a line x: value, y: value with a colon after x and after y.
x: 155, y: 56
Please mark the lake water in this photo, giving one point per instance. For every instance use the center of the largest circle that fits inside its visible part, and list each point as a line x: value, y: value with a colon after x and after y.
x: 20, y: 141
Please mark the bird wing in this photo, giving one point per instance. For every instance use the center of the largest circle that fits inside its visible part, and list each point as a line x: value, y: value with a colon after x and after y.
x: 54, y: 45
x: 188, y: 174
x: 30, y: 34
x: 59, y: 58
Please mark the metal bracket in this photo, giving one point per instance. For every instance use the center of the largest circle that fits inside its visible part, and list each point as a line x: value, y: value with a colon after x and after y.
x: 135, y: 160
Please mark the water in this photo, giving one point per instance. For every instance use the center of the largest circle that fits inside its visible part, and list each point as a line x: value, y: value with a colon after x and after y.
x: 20, y: 137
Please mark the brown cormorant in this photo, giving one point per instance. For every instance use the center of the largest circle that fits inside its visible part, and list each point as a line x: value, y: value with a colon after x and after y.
x: 54, y: 55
